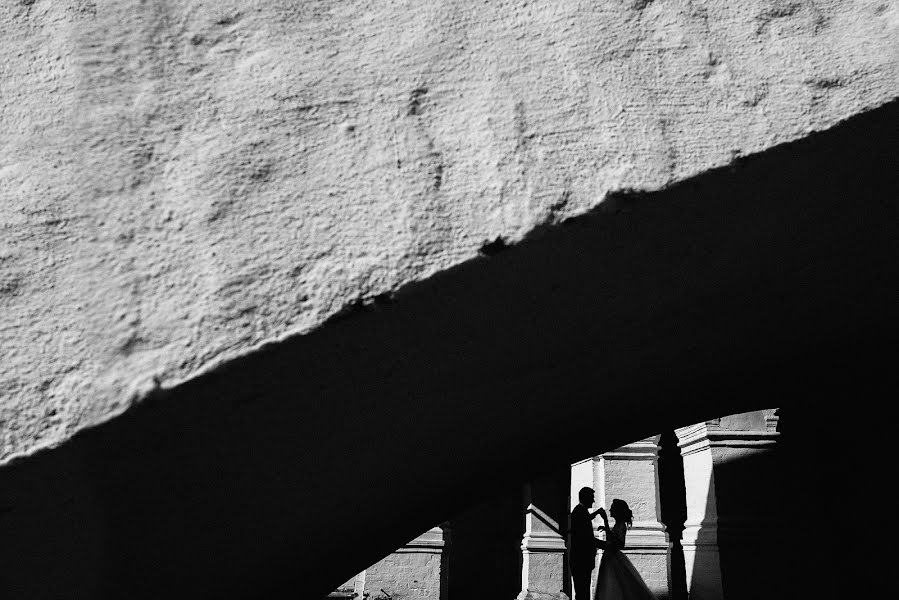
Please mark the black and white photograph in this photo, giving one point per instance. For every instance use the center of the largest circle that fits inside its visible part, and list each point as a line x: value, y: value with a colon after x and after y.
x: 448, y: 299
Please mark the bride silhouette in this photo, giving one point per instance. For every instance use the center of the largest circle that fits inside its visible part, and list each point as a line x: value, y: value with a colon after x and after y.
x: 618, y: 579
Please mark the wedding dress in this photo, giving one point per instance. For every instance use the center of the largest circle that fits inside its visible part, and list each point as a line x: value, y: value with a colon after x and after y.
x: 618, y: 579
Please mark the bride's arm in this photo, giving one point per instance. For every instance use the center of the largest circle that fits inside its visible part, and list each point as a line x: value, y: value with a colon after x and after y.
x: 613, y: 540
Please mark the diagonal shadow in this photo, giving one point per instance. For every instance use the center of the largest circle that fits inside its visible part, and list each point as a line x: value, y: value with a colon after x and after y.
x: 289, y: 470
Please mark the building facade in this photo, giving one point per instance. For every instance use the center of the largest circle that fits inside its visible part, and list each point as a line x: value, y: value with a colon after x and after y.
x: 698, y: 495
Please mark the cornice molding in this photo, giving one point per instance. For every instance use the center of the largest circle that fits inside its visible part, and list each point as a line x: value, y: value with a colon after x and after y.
x: 649, y: 538
x: 771, y: 421
x: 542, y: 542
x: 430, y: 541
x: 702, y: 436
x: 646, y: 449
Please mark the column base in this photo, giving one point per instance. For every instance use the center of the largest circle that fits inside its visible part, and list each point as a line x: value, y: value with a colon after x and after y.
x: 528, y: 595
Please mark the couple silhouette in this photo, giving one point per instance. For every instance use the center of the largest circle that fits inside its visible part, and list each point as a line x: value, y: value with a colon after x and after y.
x: 617, y: 578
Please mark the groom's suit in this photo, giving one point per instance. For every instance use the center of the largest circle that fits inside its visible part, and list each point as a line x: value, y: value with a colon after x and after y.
x: 582, y: 553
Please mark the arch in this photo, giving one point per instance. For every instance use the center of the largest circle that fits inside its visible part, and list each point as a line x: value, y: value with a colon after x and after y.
x: 768, y: 283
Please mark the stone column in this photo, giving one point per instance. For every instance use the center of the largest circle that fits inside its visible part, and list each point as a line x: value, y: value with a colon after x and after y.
x: 631, y: 473
x: 728, y: 465
x: 699, y: 540
x: 543, y: 558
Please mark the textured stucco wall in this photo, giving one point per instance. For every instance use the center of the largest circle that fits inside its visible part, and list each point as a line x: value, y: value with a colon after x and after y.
x: 181, y: 182
x: 406, y: 576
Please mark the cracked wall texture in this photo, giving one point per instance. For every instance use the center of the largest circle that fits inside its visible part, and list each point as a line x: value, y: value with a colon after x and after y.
x: 182, y: 182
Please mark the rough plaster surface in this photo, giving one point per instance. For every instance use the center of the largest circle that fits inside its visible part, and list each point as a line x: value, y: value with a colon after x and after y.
x: 410, y: 576
x: 181, y: 182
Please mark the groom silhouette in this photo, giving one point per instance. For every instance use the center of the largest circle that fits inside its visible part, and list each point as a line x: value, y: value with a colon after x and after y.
x: 582, y: 553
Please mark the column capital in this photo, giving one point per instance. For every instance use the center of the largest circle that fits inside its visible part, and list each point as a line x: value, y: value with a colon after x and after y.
x: 431, y: 541
x: 771, y: 419
x: 708, y: 434
x: 645, y: 449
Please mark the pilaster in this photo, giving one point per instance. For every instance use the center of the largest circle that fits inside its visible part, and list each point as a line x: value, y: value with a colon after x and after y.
x: 631, y: 474
x: 727, y: 477
x: 543, y: 558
